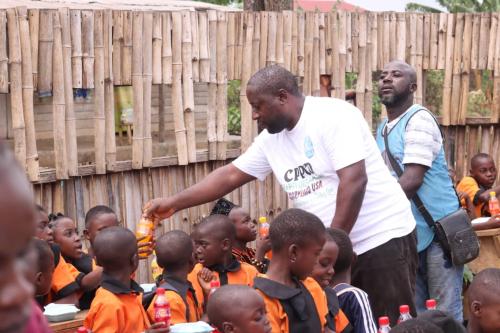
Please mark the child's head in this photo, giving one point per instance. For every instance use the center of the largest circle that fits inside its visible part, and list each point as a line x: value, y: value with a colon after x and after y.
x: 483, y: 170
x: 246, y: 228
x: 298, y: 237
x: 174, y: 251
x: 484, y: 301
x: 17, y: 225
x: 213, y: 239
x: 323, y: 269
x: 416, y: 325
x: 244, y: 310
x: 44, y: 266
x: 43, y: 230
x: 115, y: 249
x: 345, y: 255
x: 66, y: 235
x: 99, y: 218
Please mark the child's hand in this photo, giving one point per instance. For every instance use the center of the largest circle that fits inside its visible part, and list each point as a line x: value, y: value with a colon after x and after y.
x: 205, y: 276
x: 145, y: 249
x: 158, y: 328
x: 263, y: 246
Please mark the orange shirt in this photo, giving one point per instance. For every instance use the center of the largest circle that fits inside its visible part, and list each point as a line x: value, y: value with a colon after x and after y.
x: 236, y: 273
x: 293, y: 310
x: 117, y: 308
x: 471, y: 187
x: 184, y: 306
x: 64, y: 279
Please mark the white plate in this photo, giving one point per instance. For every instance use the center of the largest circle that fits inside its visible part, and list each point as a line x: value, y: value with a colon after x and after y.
x: 198, y: 327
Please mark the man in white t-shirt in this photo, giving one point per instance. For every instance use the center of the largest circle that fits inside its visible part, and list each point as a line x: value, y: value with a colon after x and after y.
x: 323, y: 154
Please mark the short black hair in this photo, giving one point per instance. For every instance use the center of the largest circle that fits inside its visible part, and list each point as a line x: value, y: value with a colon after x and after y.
x: 45, y: 257
x: 475, y: 159
x: 346, y: 252
x: 217, y: 225
x: 114, y: 247
x: 54, y: 218
x: 416, y: 325
x: 485, y: 286
x: 442, y: 320
x: 96, y: 211
x: 269, y: 80
x: 295, y: 226
x: 173, y: 250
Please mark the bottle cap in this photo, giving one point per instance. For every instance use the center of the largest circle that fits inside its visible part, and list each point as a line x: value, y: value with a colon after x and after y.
x: 160, y: 291
x: 81, y: 330
x: 404, y: 309
x: 430, y: 303
x: 383, y: 321
x: 262, y: 219
x: 214, y: 284
x: 493, y: 194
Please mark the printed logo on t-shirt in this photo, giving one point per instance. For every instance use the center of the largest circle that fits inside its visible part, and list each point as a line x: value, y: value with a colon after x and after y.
x: 302, y: 181
x: 308, y: 147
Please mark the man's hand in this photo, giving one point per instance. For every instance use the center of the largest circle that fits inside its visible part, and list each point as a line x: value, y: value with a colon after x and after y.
x: 144, y: 249
x: 158, y: 328
x: 158, y: 209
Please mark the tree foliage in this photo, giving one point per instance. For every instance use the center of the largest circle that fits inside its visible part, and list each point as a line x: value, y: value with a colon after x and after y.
x: 458, y: 6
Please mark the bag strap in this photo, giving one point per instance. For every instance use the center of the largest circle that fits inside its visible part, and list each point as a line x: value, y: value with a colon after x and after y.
x: 416, y: 199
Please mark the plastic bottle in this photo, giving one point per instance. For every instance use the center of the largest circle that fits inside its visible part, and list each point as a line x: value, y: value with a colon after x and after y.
x: 145, y: 228
x: 263, y: 227
x: 493, y: 204
x: 431, y: 304
x: 156, y: 270
x: 83, y: 330
x: 214, y: 285
x: 383, y: 323
x: 404, y: 313
x: 162, y: 308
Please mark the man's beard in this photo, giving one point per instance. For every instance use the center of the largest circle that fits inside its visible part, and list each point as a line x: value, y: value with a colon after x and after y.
x: 391, y: 100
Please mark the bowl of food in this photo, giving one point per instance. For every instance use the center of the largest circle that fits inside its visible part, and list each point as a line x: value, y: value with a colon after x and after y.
x: 60, y: 312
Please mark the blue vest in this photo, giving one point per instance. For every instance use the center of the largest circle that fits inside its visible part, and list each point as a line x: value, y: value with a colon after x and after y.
x: 436, y: 192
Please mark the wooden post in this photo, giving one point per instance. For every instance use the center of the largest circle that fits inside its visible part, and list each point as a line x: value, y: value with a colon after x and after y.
x: 99, y: 115
x: 177, y: 107
x: 264, y: 24
x: 448, y: 70
x: 238, y: 53
x: 157, y: 48
x: 308, y: 54
x: 427, y: 41
x: 380, y: 40
x: 70, y: 120
x: 386, y: 46
x: 328, y: 45
x: 204, y: 51
x: 195, y: 47
x: 167, y: 48
x: 321, y: 44
x: 117, y: 46
x: 147, y: 76
x: 361, y: 82
x: 342, y: 54
x: 187, y: 86
x: 109, y: 94
x: 476, y: 24
x: 280, y: 59
x: 256, y: 43
x: 231, y: 37
x: 374, y: 38
x: 34, y: 28
x: 457, y: 61
x: 315, y: 77
x: 465, y: 72
x: 355, y: 40
x: 246, y: 109
x: 334, y: 35
x: 348, y: 31
x: 212, y: 87
x: 221, y: 85
x: 301, y: 44
x: 76, y: 49
x: 271, y: 38
x: 45, y: 54
x: 419, y: 95
x: 442, y: 40
x: 433, y: 54
x: 392, y: 35
x: 368, y: 69
x: 484, y: 39
x: 58, y: 101
x: 492, y: 44
x: 401, y: 37
x: 127, y: 48
x: 138, y: 91
x: 4, y: 59
x: 88, y: 48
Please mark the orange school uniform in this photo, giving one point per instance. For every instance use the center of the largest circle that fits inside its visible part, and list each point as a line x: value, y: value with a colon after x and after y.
x: 235, y: 273
x: 117, y: 308
x: 184, y: 306
x: 336, y: 319
x: 473, y: 190
x: 65, y: 278
x: 294, y: 310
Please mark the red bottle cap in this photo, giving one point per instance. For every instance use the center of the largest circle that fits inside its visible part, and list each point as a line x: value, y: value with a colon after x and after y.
x: 81, y: 330
x: 404, y: 309
x: 214, y: 284
x: 430, y: 303
x: 383, y: 321
x: 160, y: 291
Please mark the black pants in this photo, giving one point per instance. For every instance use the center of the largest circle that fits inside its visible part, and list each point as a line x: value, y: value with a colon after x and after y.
x: 387, y: 274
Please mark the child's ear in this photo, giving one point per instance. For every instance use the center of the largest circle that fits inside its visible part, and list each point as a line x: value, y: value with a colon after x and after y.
x: 227, y: 327
x: 475, y: 308
x: 86, y: 234
x: 293, y: 251
x: 134, y: 261
x: 226, y: 244
x: 38, y: 279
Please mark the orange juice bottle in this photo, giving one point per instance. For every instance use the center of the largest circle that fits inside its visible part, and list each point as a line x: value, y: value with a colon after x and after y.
x: 263, y: 227
x: 145, y: 228
x: 493, y: 204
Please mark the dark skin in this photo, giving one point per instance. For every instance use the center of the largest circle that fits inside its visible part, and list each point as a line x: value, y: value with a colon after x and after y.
x: 323, y: 269
x: 397, y: 83
x: 274, y: 113
x: 43, y: 230
x: 483, y: 170
x: 66, y: 235
x: 484, y: 313
x: 250, y: 318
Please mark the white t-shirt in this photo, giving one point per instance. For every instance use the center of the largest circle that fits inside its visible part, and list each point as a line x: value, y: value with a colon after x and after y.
x: 330, y: 135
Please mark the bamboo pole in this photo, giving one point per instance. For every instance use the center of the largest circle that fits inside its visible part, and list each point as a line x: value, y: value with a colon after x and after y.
x: 27, y: 95
x: 315, y: 78
x: 427, y: 40
x: 138, y: 90
x: 187, y: 86
x: 4, y: 59
x: 484, y: 40
x: 70, y: 120
x: 264, y: 23
x: 361, y: 82
x: 240, y: 37
x: 109, y: 98
x: 380, y: 40
x: 401, y: 37
x: 195, y: 51
x: 147, y: 79
x: 348, y: 31
x: 419, y: 94
x: 355, y: 41
x: 204, y: 51
x: 433, y: 54
x: 221, y: 85
x: 45, y: 54
x: 476, y: 24
x: 177, y: 106
x: 328, y: 46
x: 342, y: 54
x: 448, y: 71
x: 335, y: 73
x: 271, y: 38
x: 246, y: 109
x: 58, y: 101
x: 393, y: 21
x: 157, y: 48
x: 368, y: 76
x: 495, y: 109
x: 88, y: 48
x: 99, y: 114
x: 492, y: 44
x: 16, y: 91
x: 301, y: 44
x: 457, y: 59
x: 117, y: 46
x: 107, y: 21
x: 166, y: 48
x: 127, y: 48
x: 413, y: 39
x: 442, y: 40
x: 280, y: 58
x: 76, y: 48
x: 386, y: 49
x: 465, y: 72
x: 231, y: 45
x: 374, y: 38
x: 256, y: 43
x: 34, y: 28
x: 308, y: 54
x: 212, y: 87
x: 321, y: 43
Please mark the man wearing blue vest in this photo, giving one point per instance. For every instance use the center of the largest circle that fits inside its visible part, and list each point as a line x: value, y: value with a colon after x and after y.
x: 416, y: 145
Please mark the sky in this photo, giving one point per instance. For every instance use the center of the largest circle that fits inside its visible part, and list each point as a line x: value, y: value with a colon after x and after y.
x: 390, y: 5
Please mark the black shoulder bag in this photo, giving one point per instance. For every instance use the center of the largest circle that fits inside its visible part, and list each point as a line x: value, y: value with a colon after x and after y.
x: 454, y: 232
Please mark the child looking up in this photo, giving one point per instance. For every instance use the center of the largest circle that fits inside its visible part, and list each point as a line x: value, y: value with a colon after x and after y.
x: 294, y: 301
x: 353, y: 301
x: 117, y: 306
x: 174, y: 253
x: 484, y: 302
x: 480, y: 183
x: 98, y: 218
x: 323, y: 272
x: 244, y: 310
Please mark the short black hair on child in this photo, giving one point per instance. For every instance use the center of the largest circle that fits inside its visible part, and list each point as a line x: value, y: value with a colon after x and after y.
x: 55, y: 217
x: 173, y: 250
x: 475, y: 159
x: 44, y: 253
x: 294, y: 226
x: 114, y: 247
x: 416, y: 325
x: 95, y: 212
x: 346, y: 252
x: 217, y: 225
x: 484, y: 286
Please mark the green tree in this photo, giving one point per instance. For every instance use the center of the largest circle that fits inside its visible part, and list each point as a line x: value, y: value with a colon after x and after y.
x: 458, y: 6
